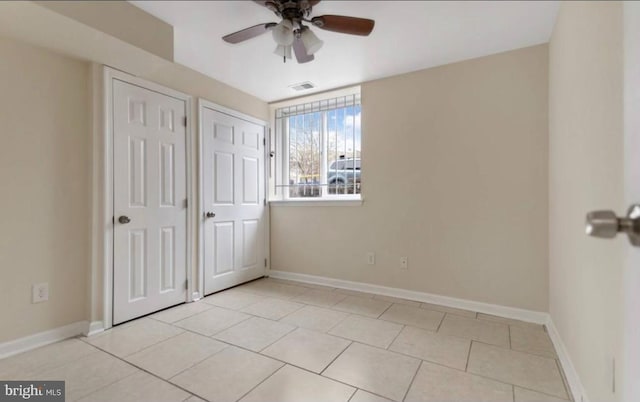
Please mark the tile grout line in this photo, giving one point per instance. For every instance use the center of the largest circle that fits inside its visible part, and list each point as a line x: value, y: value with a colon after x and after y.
x: 434, y: 363
x: 364, y: 390
x: 195, y: 364
x: 297, y: 327
x: 412, y: 380
x: 57, y: 366
x: 284, y: 363
x: 353, y: 394
x: 144, y: 348
x: 385, y: 310
x: 337, y: 323
x: 151, y: 316
x: 466, y: 367
x: 539, y: 392
x: 345, y: 383
x: 353, y: 341
x: 334, y: 359
x: 468, y: 357
x: 216, y: 332
x: 567, y: 390
x: 441, y: 322
x: 396, y: 337
x: 148, y: 372
x: 108, y: 384
x: 261, y: 382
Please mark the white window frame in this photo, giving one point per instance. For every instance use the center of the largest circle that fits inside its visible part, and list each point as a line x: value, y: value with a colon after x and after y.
x: 279, y: 168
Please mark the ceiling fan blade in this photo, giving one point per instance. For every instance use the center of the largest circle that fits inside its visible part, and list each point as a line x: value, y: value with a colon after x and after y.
x: 248, y: 33
x: 342, y: 24
x: 301, y: 52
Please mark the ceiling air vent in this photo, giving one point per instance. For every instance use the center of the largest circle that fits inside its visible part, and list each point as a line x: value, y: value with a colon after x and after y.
x: 302, y: 86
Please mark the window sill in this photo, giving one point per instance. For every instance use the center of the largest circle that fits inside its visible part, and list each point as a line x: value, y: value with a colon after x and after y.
x: 327, y: 202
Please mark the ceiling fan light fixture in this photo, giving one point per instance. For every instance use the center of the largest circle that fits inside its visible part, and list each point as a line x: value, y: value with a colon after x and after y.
x: 294, y: 37
x: 283, y: 33
x: 283, y: 51
x: 311, y: 42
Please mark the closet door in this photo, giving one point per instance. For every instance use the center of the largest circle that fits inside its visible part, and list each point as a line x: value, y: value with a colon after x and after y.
x: 150, y: 214
x: 234, y: 200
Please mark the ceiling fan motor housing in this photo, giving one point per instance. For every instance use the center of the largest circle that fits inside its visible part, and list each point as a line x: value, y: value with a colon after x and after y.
x: 290, y: 9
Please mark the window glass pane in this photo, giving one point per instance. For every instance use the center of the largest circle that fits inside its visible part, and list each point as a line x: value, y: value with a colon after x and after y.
x: 324, y: 147
x: 344, y: 147
x: 304, y: 155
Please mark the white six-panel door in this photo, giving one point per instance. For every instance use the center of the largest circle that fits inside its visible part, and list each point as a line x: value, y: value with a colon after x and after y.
x: 233, y: 199
x: 149, y: 173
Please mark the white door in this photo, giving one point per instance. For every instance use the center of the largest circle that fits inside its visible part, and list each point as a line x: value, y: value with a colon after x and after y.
x: 150, y: 215
x: 233, y: 200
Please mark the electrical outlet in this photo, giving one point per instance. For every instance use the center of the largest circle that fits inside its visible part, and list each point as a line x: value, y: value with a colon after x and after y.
x: 371, y: 258
x: 39, y: 292
x: 404, y: 263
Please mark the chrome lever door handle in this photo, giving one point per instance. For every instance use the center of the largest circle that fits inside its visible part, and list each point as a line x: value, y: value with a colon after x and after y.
x: 124, y: 219
x: 606, y: 224
x: 210, y: 215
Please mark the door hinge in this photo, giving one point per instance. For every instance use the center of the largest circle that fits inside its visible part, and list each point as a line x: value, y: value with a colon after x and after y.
x: 184, y: 121
x: 113, y: 220
x: 186, y: 203
x: 186, y: 284
x: 264, y: 141
x: 265, y: 262
x: 264, y: 202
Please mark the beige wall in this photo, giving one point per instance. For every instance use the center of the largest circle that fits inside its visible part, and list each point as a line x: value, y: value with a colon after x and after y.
x: 45, y: 193
x: 59, y: 164
x: 586, y: 173
x: 121, y: 20
x: 53, y: 29
x: 454, y: 177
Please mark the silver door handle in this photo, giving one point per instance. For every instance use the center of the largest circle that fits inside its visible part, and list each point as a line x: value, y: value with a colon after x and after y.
x: 210, y: 215
x: 124, y: 219
x: 606, y: 224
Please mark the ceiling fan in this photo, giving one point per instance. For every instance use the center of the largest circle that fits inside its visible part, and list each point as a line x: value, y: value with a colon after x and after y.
x: 291, y: 32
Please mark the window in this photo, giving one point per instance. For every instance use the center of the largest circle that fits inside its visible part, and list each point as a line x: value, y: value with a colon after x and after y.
x: 320, y: 148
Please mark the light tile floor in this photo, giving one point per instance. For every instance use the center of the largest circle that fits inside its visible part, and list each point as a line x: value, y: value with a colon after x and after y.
x: 276, y: 341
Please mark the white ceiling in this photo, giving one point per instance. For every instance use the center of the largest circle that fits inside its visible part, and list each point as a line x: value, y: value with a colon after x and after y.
x: 408, y: 36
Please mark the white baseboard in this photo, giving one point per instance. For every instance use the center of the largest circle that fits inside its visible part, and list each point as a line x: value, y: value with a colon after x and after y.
x: 94, y: 327
x: 486, y: 308
x: 26, y: 343
x: 537, y: 317
x: 573, y: 380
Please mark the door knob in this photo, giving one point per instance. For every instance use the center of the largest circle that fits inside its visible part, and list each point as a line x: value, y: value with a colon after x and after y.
x: 124, y: 219
x: 210, y: 215
x: 606, y: 224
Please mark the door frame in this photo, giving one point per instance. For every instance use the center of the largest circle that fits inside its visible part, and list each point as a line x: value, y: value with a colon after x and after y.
x: 203, y: 103
x: 104, y: 199
x: 630, y: 352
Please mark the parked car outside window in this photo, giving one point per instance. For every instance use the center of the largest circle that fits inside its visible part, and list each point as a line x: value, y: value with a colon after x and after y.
x: 343, y: 176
